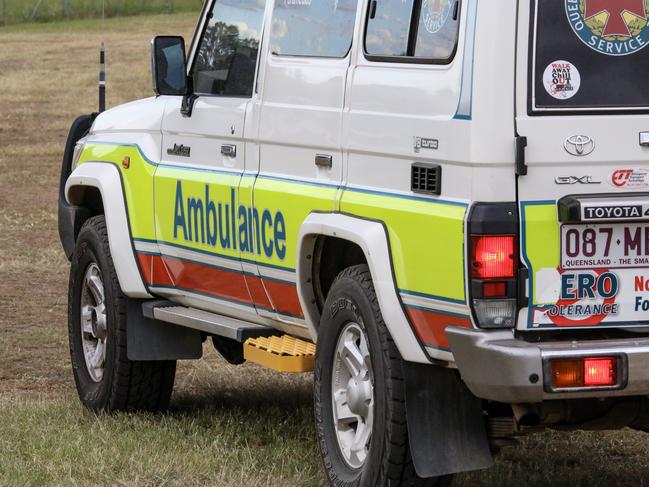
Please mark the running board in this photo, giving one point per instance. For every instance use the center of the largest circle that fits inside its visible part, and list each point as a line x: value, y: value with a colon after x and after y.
x: 212, y: 323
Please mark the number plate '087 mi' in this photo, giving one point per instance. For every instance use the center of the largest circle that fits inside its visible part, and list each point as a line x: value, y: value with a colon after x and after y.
x: 605, y: 246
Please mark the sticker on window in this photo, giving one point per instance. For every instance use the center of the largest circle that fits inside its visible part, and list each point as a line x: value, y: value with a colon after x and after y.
x: 611, y: 27
x: 562, y: 80
x: 436, y: 13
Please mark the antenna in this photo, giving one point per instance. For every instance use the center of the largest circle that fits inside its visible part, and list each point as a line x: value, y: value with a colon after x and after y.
x: 102, y: 65
x: 102, y: 78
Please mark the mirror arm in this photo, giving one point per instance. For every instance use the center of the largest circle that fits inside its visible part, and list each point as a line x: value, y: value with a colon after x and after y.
x: 189, y: 99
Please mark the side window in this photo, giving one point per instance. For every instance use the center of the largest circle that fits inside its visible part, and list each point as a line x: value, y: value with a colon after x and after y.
x: 226, y: 59
x: 424, y: 30
x: 316, y: 28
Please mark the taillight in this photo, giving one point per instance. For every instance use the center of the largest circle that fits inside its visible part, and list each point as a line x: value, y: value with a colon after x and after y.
x: 493, y: 257
x: 584, y: 372
x: 493, y: 264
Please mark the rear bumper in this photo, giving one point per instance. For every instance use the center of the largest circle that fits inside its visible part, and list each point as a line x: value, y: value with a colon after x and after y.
x: 498, y: 367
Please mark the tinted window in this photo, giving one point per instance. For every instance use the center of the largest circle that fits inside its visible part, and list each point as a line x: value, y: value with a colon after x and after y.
x: 592, y: 54
x: 426, y: 29
x: 319, y: 28
x: 227, y: 55
x: 387, y: 32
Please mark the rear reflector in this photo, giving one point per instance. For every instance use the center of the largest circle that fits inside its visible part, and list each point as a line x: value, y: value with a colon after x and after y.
x: 584, y: 372
x: 494, y: 289
x: 493, y: 257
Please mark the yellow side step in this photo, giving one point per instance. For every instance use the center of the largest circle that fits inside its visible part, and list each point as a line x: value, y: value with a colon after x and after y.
x: 284, y: 354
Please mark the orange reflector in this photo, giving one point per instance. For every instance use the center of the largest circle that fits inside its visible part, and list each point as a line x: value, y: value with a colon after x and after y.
x: 569, y: 373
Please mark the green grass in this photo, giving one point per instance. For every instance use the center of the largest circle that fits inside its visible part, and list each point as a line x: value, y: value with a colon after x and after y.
x: 19, y: 11
x: 54, y: 442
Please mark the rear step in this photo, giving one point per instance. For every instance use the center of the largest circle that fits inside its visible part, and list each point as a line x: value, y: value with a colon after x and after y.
x: 283, y: 354
x: 261, y: 345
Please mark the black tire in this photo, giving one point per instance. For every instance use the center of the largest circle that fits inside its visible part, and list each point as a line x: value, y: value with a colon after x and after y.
x: 352, y: 299
x: 125, y: 385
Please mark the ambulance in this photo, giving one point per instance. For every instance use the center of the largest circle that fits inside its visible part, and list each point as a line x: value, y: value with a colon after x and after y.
x: 440, y: 208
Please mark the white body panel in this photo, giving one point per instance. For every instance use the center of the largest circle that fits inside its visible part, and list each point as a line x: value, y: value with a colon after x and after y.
x: 105, y: 177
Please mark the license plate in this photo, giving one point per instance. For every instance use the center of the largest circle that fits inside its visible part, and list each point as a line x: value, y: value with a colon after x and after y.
x: 614, y: 246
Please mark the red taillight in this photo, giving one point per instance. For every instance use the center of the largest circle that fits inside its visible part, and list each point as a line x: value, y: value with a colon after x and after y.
x: 571, y: 373
x: 600, y: 372
x: 493, y: 257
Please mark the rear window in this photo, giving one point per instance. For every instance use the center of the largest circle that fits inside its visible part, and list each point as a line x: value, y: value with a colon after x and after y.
x: 591, y: 55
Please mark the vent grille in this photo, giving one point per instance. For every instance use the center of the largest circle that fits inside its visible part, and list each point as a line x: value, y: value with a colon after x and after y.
x: 426, y: 178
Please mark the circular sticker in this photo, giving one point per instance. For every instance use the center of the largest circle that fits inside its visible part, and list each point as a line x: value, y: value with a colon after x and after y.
x: 611, y: 27
x: 436, y: 13
x: 561, y: 80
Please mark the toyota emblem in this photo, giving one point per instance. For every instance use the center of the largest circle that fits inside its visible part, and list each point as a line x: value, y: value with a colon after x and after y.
x: 579, y: 145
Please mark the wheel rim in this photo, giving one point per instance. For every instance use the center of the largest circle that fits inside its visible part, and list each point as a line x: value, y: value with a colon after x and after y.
x: 93, y: 322
x: 353, y: 395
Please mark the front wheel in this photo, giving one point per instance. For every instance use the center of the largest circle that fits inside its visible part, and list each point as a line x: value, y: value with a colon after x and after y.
x: 359, y: 391
x: 106, y: 379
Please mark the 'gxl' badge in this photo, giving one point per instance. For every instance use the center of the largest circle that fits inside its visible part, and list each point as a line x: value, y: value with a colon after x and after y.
x: 576, y: 180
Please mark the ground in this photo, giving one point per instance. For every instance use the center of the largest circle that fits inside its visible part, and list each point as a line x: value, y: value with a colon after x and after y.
x: 228, y: 426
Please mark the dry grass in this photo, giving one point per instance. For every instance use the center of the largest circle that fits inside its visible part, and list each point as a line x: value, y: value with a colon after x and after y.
x: 228, y: 425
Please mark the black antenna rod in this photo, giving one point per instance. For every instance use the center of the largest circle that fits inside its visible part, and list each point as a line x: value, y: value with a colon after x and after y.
x: 102, y: 79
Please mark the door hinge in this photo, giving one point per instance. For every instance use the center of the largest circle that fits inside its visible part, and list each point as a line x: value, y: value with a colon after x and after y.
x: 521, y: 166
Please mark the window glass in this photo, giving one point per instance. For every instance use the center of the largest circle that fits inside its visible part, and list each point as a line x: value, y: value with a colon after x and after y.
x: 430, y: 34
x: 591, y: 54
x: 227, y: 55
x: 387, y: 30
x: 318, y: 28
x: 438, y: 29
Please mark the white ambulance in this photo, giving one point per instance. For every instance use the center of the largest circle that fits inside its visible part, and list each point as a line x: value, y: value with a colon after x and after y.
x: 441, y: 207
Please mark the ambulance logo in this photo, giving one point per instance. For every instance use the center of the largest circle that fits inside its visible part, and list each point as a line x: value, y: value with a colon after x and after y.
x: 611, y: 27
x: 436, y: 13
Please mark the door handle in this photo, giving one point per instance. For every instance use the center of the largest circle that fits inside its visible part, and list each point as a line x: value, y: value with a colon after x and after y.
x: 323, y: 160
x: 229, y: 150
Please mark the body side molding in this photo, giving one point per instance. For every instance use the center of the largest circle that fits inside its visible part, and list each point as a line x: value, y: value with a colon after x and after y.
x: 371, y: 237
x: 106, y: 178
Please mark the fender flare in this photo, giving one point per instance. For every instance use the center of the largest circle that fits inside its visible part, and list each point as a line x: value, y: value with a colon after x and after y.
x: 107, y: 179
x: 372, y: 238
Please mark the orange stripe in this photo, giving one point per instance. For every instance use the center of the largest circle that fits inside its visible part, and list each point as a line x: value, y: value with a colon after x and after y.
x: 431, y: 326
x: 284, y: 297
x: 257, y: 292
x: 210, y: 280
x: 146, y: 266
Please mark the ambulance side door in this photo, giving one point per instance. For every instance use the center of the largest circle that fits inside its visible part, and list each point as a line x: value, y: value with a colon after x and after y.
x: 197, y: 259
x: 300, y: 137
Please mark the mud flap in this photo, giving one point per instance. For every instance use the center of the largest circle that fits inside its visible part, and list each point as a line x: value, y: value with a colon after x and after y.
x: 148, y: 339
x: 446, y: 425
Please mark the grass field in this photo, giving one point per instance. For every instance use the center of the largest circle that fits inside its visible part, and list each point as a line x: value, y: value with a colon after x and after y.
x: 19, y: 11
x: 227, y: 426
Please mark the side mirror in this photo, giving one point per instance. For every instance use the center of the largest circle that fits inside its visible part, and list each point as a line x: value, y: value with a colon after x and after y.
x: 169, y: 66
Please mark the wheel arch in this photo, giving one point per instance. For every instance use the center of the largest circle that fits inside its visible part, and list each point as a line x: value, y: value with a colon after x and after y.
x: 95, y: 186
x: 371, y: 239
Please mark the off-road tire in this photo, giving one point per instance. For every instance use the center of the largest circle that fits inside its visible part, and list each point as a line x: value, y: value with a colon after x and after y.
x: 126, y: 385
x: 352, y: 299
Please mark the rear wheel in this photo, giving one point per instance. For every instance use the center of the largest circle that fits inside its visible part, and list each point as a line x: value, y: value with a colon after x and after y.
x: 359, y: 391
x: 106, y: 379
